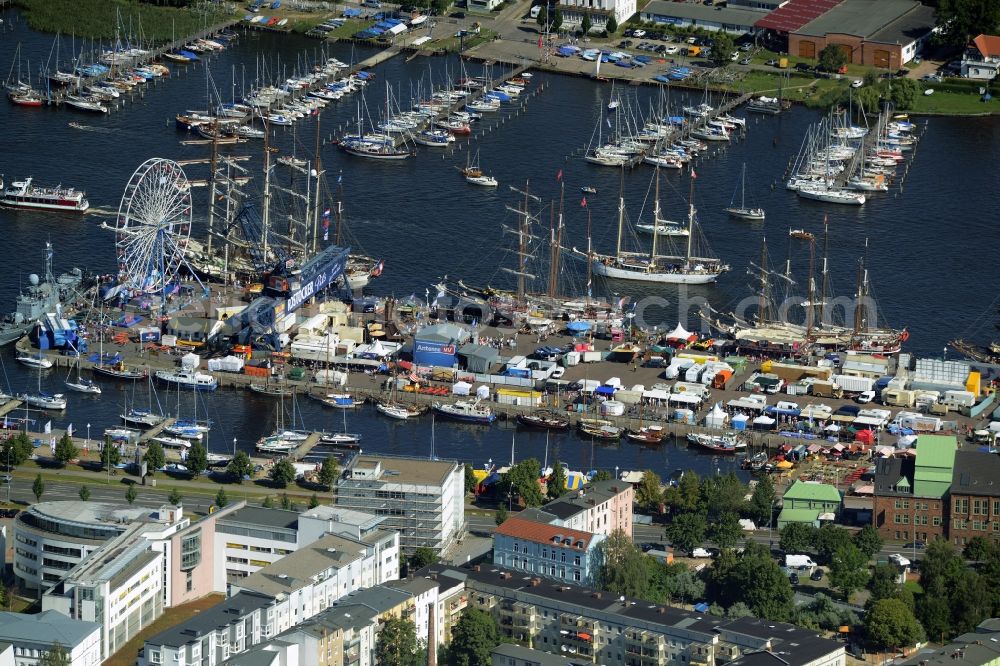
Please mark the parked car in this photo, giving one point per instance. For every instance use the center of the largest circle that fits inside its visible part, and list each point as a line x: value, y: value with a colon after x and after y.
x: 557, y: 372
x: 772, y: 63
x: 793, y: 578
x: 865, y: 397
x: 746, y: 61
x: 803, y: 67
x: 915, y: 545
x: 857, y: 83
x: 672, y: 50
x: 817, y: 574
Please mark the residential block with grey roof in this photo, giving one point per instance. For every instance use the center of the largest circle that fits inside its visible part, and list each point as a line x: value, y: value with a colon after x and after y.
x: 33, y: 636
x: 548, y: 550
x: 597, y: 627
x: 423, y: 500
x: 311, y: 579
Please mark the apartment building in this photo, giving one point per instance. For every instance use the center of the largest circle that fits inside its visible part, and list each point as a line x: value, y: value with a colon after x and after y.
x: 309, y: 580
x: 547, y: 550
x: 31, y: 637
x: 594, y: 626
x: 423, y: 500
x: 601, y: 507
x: 227, y: 629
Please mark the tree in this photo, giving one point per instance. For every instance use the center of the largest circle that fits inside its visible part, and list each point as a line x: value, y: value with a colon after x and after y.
x: 543, y: 16
x: 175, y: 497
x: 522, y: 480
x: 240, y: 466
x: 882, y: 583
x: 761, y: 506
x: 328, y: 472
x: 753, y: 578
x: 154, y: 457
x: 829, y: 539
x: 38, y: 488
x: 832, y: 58
x: 110, y: 454
x: 84, y: 493
x: 903, y: 92
x: 738, y: 610
x: 56, y: 656
x: 978, y: 549
x: 586, y: 25
x: 723, y: 49
x: 197, y: 458
x: 268, y: 503
x: 961, y: 20
x: 648, y: 493
x: 220, y: 498
x: 283, y: 472
x: 131, y: 494
x: 557, y: 20
x: 725, y: 532
x: 890, y: 624
x: 4, y: 596
x: 16, y: 450
x: 849, y: 570
x: 65, y: 449
x: 286, y: 503
x: 602, y: 475
x: 501, y: 515
x: 473, y: 638
x: 687, y: 531
x: 612, y: 25
x: 797, y: 538
x: 868, y: 541
x: 313, y: 501
x: 556, y: 485
x: 686, y: 495
x: 397, y: 643
x: 623, y: 569
x: 721, y: 494
x: 470, y: 478
x: 423, y: 557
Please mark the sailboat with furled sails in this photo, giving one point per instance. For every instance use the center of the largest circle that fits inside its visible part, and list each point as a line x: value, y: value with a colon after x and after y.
x: 771, y: 331
x: 688, y: 267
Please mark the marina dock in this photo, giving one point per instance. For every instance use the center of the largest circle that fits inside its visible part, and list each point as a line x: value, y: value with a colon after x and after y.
x: 157, y: 430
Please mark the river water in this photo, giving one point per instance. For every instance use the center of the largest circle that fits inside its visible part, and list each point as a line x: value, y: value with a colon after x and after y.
x: 929, y: 242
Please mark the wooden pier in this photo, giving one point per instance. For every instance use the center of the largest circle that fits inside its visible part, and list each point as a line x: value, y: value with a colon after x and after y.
x: 10, y: 406
x: 303, y: 449
x: 156, y: 430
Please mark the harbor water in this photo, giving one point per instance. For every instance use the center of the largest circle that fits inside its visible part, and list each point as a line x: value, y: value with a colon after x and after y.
x: 928, y: 240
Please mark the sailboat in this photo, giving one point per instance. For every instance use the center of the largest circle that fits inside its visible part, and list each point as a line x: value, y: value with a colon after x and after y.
x: 43, y: 400
x: 474, y: 174
x: 82, y: 385
x: 743, y: 211
x: 341, y: 437
x: 668, y: 269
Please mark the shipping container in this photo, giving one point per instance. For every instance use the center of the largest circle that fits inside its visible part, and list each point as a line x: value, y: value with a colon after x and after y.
x: 854, y: 384
x: 826, y: 389
x: 591, y: 357
x: 721, y: 379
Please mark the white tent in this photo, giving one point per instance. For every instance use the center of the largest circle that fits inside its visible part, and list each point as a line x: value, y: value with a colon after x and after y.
x: 461, y: 388
x: 190, y: 361
x: 833, y: 427
x: 377, y: 349
x: 906, y: 441
x: 679, y: 333
x: 685, y: 398
x: 483, y: 392
x: 716, y: 418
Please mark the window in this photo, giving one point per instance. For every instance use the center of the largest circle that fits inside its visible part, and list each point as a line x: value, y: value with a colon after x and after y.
x: 576, y: 575
x: 576, y: 560
x: 191, y: 551
x: 936, y: 521
x: 961, y: 505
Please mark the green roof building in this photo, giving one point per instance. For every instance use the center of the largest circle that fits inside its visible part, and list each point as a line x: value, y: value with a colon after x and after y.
x: 935, y: 464
x: 807, y: 501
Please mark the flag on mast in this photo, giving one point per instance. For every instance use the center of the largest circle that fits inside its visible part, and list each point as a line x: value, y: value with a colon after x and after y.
x: 583, y: 202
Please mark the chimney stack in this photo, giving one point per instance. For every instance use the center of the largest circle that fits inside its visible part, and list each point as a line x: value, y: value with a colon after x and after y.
x: 432, y: 636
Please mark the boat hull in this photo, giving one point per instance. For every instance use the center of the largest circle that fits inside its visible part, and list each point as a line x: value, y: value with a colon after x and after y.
x: 662, y: 278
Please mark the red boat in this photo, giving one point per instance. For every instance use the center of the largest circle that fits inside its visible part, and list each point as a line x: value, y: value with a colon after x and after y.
x: 28, y: 98
x: 455, y: 126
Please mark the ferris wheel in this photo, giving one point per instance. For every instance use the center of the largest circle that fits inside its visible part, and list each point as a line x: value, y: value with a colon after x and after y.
x: 153, y: 226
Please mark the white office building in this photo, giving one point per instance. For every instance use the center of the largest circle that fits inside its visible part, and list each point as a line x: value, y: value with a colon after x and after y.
x: 423, y: 500
x: 573, y: 12
x: 50, y: 538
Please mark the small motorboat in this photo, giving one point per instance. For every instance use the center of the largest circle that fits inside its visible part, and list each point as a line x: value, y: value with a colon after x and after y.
x: 801, y: 234
x: 647, y: 435
x: 588, y: 189
x: 543, y: 420
x: 35, y: 361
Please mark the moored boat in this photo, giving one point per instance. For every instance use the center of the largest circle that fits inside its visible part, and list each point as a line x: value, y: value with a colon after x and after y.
x: 23, y: 194
x: 728, y: 443
x: 544, y: 420
x: 462, y: 410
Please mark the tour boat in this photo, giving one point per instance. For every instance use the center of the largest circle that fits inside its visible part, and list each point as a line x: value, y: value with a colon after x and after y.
x: 801, y: 234
x: 22, y: 194
x: 471, y: 412
x: 188, y: 379
x: 717, y: 443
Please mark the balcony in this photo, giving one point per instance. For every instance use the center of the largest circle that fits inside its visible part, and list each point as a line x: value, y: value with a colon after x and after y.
x: 570, y: 621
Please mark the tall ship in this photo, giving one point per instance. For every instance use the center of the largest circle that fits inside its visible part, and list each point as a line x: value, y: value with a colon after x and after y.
x: 770, y: 330
x: 24, y: 194
x: 37, y: 299
x: 678, y: 267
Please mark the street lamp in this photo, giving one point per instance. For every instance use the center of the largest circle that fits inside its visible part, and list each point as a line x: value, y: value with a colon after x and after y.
x: 234, y: 447
x: 88, y: 436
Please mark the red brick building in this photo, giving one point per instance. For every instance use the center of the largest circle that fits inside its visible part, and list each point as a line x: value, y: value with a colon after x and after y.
x: 899, y: 514
x: 975, y: 497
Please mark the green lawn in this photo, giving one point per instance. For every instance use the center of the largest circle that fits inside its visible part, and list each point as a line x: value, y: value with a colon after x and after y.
x: 126, y: 656
x: 349, y: 28
x: 452, y: 44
